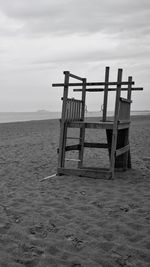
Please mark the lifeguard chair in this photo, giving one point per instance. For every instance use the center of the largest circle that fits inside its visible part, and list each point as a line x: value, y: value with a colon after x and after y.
x: 117, y: 129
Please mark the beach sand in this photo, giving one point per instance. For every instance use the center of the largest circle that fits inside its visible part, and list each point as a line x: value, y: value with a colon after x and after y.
x: 68, y: 220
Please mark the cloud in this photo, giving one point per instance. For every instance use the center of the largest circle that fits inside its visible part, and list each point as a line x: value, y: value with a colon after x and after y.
x: 40, y: 39
x: 81, y: 16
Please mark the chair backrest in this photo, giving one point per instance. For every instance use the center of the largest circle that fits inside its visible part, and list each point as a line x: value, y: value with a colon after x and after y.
x: 73, y: 109
x: 124, y: 110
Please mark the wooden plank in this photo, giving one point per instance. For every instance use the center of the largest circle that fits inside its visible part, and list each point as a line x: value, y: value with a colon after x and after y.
x: 90, y: 125
x: 129, y: 88
x: 83, y: 99
x: 122, y: 150
x: 105, y: 94
x: 63, y: 129
x: 125, y: 100
x: 109, y: 89
x: 124, y: 111
x: 98, y: 125
x: 75, y: 77
x: 91, y: 84
x: 64, y: 145
x: 129, y: 97
x: 97, y: 174
x: 82, y: 129
x: 72, y: 147
x: 81, y: 151
x: 98, y: 169
x: 69, y: 159
x: 116, y: 115
x: 124, y: 125
x: 95, y: 145
x: 73, y: 138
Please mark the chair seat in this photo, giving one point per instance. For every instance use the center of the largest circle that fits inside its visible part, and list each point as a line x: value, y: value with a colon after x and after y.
x: 97, y: 125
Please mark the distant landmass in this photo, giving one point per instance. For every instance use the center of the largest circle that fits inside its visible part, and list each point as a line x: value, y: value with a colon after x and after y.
x: 43, y: 111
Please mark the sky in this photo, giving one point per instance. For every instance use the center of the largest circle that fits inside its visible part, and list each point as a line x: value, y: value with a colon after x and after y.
x: 40, y: 39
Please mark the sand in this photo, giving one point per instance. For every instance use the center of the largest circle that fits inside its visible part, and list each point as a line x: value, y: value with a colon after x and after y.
x: 68, y: 220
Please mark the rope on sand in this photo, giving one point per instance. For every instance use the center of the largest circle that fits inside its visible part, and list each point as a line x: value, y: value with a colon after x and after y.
x: 48, y: 177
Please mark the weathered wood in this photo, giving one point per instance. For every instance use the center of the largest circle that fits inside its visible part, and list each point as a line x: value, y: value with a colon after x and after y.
x: 116, y: 116
x: 69, y: 159
x: 122, y: 150
x: 129, y: 97
x: 82, y: 129
x: 75, y: 77
x: 125, y: 100
x: 129, y: 88
x: 122, y: 140
x: 97, y: 125
x: 63, y: 129
x: 95, y: 145
x: 91, y: 173
x: 117, y: 130
x: 73, y: 109
x: 72, y: 147
x: 124, y: 111
x: 91, y: 84
x: 73, y: 138
x: 105, y: 94
x: 109, y: 89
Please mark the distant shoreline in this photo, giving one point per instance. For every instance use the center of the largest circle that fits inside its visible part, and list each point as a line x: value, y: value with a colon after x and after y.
x: 10, y: 117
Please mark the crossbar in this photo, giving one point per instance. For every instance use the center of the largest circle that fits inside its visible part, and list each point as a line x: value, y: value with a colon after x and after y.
x: 73, y: 160
x: 95, y: 145
x: 92, y: 84
x: 91, y: 173
x: 122, y: 150
x: 110, y: 89
x: 76, y: 77
x: 72, y: 147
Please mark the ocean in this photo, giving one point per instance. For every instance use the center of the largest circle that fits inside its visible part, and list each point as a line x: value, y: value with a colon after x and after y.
x: 6, y: 117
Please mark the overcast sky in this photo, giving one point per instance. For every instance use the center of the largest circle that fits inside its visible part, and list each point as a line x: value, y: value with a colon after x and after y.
x: 39, y: 39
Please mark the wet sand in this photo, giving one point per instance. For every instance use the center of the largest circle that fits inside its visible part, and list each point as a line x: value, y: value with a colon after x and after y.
x: 68, y: 220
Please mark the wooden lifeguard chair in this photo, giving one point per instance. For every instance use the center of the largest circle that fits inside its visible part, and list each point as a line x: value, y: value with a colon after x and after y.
x: 117, y: 130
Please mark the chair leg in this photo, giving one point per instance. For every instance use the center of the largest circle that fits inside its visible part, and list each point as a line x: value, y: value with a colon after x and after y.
x: 62, y: 145
x: 81, y: 151
x: 113, y: 153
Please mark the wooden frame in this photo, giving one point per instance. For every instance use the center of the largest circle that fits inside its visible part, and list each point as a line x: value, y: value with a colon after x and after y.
x: 117, y: 131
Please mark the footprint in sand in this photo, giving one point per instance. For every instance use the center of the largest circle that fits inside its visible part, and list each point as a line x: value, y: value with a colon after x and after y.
x: 42, y: 231
x: 77, y: 243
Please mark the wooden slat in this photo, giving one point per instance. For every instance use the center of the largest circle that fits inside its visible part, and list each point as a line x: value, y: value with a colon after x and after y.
x: 69, y: 159
x: 122, y: 150
x: 91, y: 173
x: 125, y: 100
x: 129, y: 88
x: 95, y: 145
x: 124, y: 121
x: 63, y: 128
x: 109, y: 89
x: 97, y: 125
x: 76, y: 77
x: 105, y: 94
x: 116, y: 115
x: 82, y: 129
x: 73, y: 109
x: 90, y: 84
x: 124, y: 110
x: 72, y: 147
x: 90, y: 125
x: 74, y: 138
